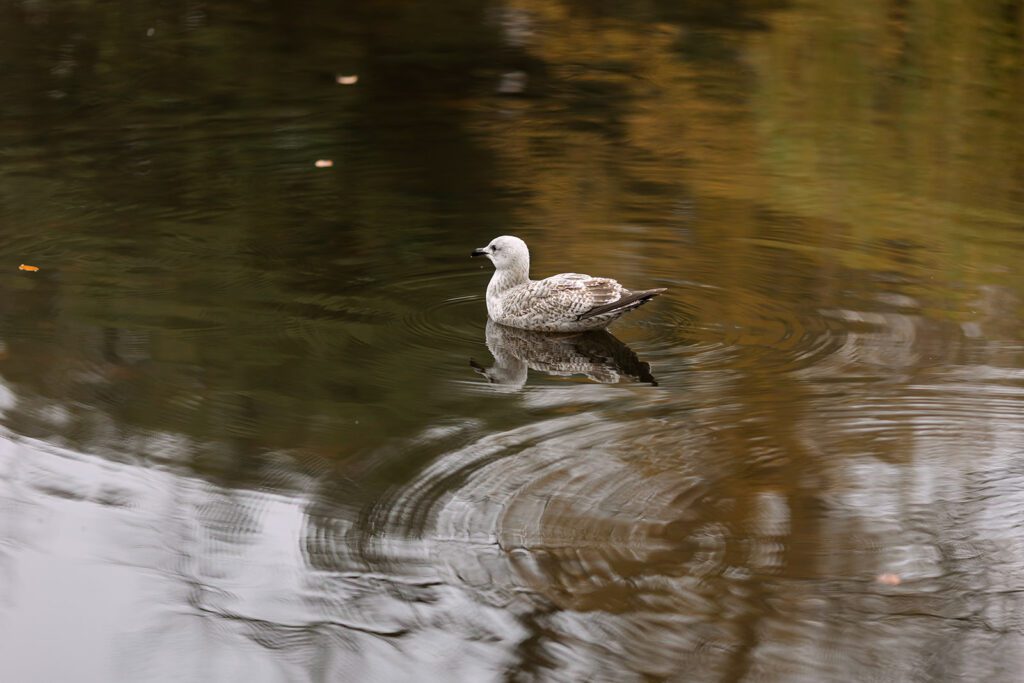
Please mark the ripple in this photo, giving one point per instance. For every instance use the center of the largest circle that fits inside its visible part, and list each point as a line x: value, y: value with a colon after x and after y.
x: 440, y: 321
x: 589, y: 530
x: 751, y: 333
x: 946, y: 413
x: 574, y: 505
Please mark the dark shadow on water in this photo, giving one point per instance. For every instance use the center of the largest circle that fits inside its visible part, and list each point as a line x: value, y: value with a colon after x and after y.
x: 597, y: 355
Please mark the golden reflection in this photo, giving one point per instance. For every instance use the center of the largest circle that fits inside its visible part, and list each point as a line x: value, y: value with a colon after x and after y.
x: 864, y: 123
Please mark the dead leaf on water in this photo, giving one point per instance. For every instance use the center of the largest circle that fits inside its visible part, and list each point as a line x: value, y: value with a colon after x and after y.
x: 889, y: 579
x: 347, y: 80
x: 324, y: 163
x: 28, y: 268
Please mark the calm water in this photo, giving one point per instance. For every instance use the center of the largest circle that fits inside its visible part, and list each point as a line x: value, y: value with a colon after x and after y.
x: 255, y: 426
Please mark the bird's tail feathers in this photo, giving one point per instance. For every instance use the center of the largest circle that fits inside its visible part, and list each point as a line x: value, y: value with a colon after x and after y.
x: 624, y: 303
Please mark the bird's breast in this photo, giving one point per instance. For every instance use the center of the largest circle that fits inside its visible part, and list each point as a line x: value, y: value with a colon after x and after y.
x: 494, y: 307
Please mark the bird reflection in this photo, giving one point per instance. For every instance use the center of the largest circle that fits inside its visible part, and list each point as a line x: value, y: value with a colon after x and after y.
x: 595, y: 354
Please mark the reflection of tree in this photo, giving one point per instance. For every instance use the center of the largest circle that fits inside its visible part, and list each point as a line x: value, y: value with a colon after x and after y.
x: 166, y: 178
x: 854, y: 122
x: 176, y: 169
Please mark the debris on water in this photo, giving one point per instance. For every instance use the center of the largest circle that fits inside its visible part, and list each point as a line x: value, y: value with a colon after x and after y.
x: 512, y: 83
x: 889, y: 579
x: 323, y: 163
x: 347, y: 80
x: 31, y: 269
x: 150, y: 32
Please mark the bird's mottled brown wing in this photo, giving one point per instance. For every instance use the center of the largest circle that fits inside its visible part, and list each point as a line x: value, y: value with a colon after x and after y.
x: 572, y: 294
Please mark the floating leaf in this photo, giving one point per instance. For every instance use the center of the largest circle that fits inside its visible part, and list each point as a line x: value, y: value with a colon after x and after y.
x: 889, y: 579
x: 324, y: 163
x: 347, y: 80
x: 28, y: 268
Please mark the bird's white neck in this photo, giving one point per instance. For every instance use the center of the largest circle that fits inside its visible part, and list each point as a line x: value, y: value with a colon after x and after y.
x: 507, y: 278
x: 502, y: 281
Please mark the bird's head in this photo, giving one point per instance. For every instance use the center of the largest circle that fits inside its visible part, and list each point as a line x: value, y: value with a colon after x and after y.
x: 506, y: 253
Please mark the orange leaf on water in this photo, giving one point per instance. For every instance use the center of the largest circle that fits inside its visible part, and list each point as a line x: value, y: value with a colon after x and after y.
x: 323, y: 163
x: 28, y: 268
x: 889, y: 579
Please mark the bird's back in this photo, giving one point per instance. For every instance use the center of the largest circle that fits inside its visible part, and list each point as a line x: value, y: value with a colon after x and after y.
x: 568, y: 302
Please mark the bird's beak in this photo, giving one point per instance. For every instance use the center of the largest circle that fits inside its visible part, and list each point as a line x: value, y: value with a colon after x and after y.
x: 482, y: 251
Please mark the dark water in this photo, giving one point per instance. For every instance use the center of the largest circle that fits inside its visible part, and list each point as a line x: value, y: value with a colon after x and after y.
x: 242, y: 436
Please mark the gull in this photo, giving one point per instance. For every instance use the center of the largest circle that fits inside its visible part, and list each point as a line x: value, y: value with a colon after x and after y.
x: 569, y: 302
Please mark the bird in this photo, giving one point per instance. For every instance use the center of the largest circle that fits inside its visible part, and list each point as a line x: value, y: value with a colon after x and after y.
x: 568, y: 302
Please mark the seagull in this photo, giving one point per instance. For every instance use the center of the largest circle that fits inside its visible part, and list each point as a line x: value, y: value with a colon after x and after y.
x: 569, y: 302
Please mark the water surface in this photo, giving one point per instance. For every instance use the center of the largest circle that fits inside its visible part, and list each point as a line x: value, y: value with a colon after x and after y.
x: 255, y: 425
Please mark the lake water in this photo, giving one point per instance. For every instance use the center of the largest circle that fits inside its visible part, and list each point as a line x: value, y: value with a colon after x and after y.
x: 256, y: 427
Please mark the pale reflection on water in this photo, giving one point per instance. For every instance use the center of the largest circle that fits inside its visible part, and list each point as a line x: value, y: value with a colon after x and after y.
x: 242, y: 441
x: 598, y: 355
x: 573, y: 547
